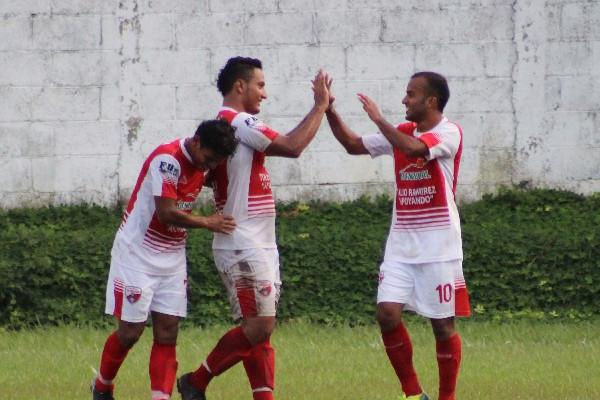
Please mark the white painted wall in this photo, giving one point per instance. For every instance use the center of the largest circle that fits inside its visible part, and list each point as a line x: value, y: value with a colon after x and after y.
x: 89, y: 87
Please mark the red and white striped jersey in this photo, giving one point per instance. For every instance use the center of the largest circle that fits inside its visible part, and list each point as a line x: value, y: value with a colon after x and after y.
x: 242, y: 186
x: 158, y: 248
x: 425, y: 223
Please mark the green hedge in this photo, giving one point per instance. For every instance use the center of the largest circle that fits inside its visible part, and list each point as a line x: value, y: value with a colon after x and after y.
x: 532, y: 253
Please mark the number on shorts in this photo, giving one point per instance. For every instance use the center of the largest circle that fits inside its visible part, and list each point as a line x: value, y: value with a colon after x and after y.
x: 444, y: 292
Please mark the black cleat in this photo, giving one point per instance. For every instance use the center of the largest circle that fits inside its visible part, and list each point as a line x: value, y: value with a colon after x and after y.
x: 188, y: 392
x: 98, y: 395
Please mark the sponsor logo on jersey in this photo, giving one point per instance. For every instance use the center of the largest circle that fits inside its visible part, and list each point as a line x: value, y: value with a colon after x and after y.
x: 264, y: 288
x: 251, y: 121
x: 265, y: 181
x: 133, y: 293
x: 168, y: 168
x: 423, y: 174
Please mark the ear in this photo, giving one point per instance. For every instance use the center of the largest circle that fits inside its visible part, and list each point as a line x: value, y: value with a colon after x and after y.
x: 432, y: 102
x: 239, y: 86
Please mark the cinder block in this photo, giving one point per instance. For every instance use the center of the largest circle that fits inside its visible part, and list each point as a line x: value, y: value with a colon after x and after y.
x: 346, y: 99
x: 84, y: 7
x: 568, y: 129
x: 110, y: 103
x: 68, y: 174
x: 313, y: 5
x: 197, y: 31
x: 287, y: 100
x: 87, y: 138
x: 76, y: 104
x: 574, y: 21
x: 499, y: 59
x: 417, y: 26
x: 290, y: 171
x: 17, y: 177
x: 493, y: 23
x: 349, y: 27
x: 25, y: 139
x: 348, y: 168
x: 23, y: 68
x: 469, y: 170
x: 480, y: 95
x: 593, y: 11
x: 15, y: 102
x: 553, y: 17
x: 301, y: 63
x: 233, y: 6
x: 174, y: 6
x: 280, y: 28
x: 575, y: 93
x: 462, y: 60
x: 85, y: 68
x: 178, y: 67
x: 485, y: 130
x: 197, y: 102
x: 268, y: 54
x: 568, y: 58
x: 111, y: 37
x: 388, y: 61
x: 24, y: 7
x: 496, y: 166
x: 15, y: 33
x: 158, y: 102
x: 61, y: 32
x: 157, y: 31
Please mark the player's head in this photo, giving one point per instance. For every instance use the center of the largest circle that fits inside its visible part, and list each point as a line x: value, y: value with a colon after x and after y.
x: 426, y: 92
x: 242, y: 80
x: 213, y: 142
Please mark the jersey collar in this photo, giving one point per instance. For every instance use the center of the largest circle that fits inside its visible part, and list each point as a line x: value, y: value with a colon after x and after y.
x: 184, y: 150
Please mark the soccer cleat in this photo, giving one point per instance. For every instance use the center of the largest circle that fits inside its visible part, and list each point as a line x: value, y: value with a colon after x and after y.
x: 421, y: 396
x: 187, y: 391
x: 98, y: 395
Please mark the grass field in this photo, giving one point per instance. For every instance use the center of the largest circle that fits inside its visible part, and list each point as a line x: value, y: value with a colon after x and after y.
x: 518, y: 360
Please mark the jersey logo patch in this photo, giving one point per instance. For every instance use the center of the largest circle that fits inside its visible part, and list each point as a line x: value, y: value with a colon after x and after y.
x: 264, y: 288
x: 133, y: 293
x: 168, y: 168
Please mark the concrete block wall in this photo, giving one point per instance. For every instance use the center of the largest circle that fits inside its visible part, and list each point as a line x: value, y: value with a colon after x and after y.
x: 89, y: 87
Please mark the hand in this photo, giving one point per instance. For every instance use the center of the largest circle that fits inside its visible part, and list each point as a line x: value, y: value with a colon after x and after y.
x: 220, y: 223
x: 331, y: 96
x: 370, y: 107
x: 319, y: 87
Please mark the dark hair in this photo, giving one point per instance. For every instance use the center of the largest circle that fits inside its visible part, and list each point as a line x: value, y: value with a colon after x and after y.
x: 217, y: 135
x: 236, y: 68
x: 438, y: 87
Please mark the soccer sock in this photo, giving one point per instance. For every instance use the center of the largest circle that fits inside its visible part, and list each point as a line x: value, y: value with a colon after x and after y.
x: 260, y: 368
x: 448, y: 357
x: 399, y: 350
x: 230, y: 349
x: 113, y: 355
x: 163, y: 370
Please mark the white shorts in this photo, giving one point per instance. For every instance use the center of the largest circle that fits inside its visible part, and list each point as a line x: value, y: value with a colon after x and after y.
x: 252, y: 280
x: 433, y: 290
x: 131, y: 294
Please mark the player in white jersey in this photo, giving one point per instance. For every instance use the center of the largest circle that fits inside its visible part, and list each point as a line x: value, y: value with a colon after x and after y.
x: 247, y: 260
x: 148, y: 273
x: 422, y: 266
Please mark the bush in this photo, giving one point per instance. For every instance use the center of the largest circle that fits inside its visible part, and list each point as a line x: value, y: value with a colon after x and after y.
x: 527, y: 253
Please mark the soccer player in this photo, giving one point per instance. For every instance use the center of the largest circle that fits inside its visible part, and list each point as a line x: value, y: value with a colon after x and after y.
x: 148, y: 272
x: 247, y: 260
x: 422, y: 266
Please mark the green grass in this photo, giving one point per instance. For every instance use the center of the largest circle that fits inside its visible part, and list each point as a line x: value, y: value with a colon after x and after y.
x: 518, y: 360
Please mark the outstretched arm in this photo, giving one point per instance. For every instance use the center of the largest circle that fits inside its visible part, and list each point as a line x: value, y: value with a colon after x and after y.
x: 350, y: 140
x: 409, y: 145
x: 169, y: 214
x: 294, y: 143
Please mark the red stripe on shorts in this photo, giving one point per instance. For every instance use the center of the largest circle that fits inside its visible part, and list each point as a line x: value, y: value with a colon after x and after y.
x: 246, y: 297
x: 118, y: 292
x: 462, y: 305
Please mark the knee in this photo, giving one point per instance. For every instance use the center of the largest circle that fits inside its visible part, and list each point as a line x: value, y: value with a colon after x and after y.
x: 129, y: 336
x: 166, y: 334
x: 443, y: 329
x: 388, y: 318
x: 258, y: 330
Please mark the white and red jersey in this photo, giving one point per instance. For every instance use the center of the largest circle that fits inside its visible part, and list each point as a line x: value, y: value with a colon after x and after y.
x: 242, y: 186
x: 142, y: 239
x: 425, y: 222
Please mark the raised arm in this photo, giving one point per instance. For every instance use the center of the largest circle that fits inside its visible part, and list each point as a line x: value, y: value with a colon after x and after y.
x: 350, y: 140
x: 409, y: 145
x: 294, y: 143
x: 169, y: 214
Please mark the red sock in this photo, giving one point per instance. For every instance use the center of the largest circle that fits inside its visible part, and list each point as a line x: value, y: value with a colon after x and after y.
x: 113, y: 355
x: 232, y: 348
x: 399, y: 350
x: 163, y: 369
x: 448, y: 357
x: 260, y: 368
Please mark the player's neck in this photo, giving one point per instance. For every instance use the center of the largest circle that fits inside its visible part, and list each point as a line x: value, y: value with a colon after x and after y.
x: 236, y: 104
x: 429, y: 122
